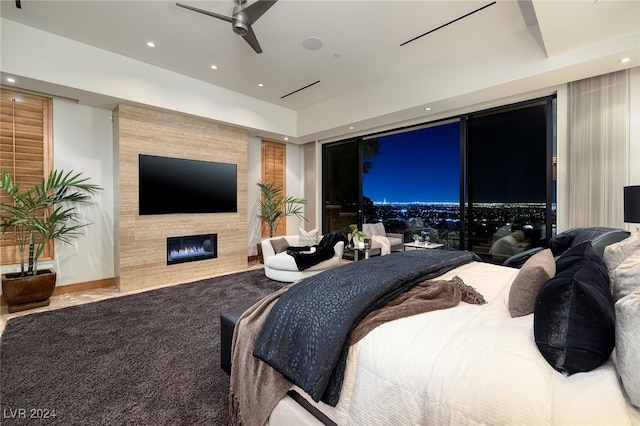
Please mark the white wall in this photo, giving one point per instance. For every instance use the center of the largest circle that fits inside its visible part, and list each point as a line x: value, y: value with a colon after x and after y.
x: 83, y: 142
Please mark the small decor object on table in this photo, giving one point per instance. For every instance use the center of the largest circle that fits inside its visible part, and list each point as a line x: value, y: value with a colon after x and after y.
x: 358, y: 239
x: 416, y: 238
x: 358, y: 236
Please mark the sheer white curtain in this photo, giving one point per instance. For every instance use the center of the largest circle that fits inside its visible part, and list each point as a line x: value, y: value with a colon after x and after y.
x: 598, y: 148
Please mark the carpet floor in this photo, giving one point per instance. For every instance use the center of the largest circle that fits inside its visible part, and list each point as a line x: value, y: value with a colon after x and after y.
x: 151, y: 358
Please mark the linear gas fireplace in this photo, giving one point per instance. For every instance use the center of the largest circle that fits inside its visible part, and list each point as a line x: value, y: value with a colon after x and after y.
x: 191, y: 248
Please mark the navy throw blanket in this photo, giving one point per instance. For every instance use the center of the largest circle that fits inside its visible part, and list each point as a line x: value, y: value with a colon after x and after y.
x: 324, y: 251
x: 306, y: 335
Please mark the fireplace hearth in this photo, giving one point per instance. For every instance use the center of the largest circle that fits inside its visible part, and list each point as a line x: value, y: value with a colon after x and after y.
x: 191, y: 248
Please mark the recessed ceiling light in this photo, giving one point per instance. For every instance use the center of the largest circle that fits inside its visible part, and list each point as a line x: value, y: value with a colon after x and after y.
x: 151, y: 44
x: 351, y: 127
x: 260, y: 85
x: 286, y: 138
x: 11, y: 80
x: 312, y: 43
x: 625, y: 60
x: 214, y: 67
x: 427, y: 109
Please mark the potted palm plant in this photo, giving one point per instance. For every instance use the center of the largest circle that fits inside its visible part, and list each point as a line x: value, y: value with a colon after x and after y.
x: 274, y: 206
x: 36, y: 216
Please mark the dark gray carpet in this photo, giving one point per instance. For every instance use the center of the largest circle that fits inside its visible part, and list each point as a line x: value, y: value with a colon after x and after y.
x: 147, y: 359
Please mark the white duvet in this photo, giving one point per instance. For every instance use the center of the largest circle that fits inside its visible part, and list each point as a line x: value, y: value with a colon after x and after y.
x: 470, y: 365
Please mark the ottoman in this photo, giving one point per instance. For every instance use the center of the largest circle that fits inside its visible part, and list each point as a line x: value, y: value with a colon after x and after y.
x: 228, y: 322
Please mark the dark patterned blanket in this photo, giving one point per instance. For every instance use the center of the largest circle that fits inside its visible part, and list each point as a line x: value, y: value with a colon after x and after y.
x: 305, y: 336
x: 324, y: 251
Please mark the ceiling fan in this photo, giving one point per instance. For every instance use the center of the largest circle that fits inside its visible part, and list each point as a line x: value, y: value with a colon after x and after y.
x: 242, y: 19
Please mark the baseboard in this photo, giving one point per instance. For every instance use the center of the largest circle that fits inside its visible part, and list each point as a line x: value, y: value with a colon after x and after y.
x: 75, y: 288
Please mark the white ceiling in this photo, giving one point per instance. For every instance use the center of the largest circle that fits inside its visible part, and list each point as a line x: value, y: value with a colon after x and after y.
x: 361, y: 38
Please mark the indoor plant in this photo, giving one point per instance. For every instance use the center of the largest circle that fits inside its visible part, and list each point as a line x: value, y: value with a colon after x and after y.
x: 274, y: 206
x: 358, y: 238
x: 46, y: 212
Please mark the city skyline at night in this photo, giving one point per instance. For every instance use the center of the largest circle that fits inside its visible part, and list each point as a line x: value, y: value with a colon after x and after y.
x: 417, y: 166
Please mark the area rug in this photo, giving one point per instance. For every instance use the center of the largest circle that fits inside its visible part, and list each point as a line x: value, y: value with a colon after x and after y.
x: 151, y: 358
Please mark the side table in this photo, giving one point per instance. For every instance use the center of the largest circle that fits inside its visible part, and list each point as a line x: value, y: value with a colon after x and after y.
x: 417, y: 246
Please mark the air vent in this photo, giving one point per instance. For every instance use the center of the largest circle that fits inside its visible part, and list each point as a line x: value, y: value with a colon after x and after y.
x: 302, y: 88
x: 448, y: 23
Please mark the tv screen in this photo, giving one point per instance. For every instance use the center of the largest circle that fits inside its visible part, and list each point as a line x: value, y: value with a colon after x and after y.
x: 175, y: 185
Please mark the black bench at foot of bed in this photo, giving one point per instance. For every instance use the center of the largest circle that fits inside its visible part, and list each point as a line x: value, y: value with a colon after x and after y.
x: 228, y: 322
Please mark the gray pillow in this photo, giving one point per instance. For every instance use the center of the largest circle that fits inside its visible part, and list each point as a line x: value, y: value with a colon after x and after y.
x: 279, y: 244
x: 536, y: 271
x: 628, y: 344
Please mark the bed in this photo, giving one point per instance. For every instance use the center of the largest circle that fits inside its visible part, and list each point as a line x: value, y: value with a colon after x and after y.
x: 469, y: 364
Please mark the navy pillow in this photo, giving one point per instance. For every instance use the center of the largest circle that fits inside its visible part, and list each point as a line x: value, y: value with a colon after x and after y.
x: 577, y: 255
x: 574, y: 316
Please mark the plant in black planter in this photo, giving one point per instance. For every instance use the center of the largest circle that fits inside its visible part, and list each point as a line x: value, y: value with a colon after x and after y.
x: 274, y: 206
x: 36, y: 216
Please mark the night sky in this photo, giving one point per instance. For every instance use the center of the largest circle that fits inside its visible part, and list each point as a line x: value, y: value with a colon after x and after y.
x: 421, y: 165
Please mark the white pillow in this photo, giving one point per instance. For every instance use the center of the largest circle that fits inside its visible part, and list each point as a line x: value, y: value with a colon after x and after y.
x: 373, y: 229
x: 308, y: 238
x: 628, y: 344
x: 379, y: 227
x: 626, y: 277
x: 614, y: 254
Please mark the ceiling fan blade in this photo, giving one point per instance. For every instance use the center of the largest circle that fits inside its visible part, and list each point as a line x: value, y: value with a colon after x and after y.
x: 206, y: 12
x: 257, y: 9
x: 250, y: 37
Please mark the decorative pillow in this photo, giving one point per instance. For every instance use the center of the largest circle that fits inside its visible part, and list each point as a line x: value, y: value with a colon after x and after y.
x: 279, y: 244
x: 628, y: 344
x: 626, y: 277
x: 576, y: 255
x: 574, y: 316
x: 373, y: 229
x: 536, y: 271
x: 308, y: 238
x: 616, y: 253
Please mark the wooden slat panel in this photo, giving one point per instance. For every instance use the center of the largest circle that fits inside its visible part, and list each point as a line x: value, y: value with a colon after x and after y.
x: 25, y: 146
x: 274, y: 156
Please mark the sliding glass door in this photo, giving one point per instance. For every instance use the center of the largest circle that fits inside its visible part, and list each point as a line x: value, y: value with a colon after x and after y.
x: 411, y: 182
x: 483, y: 182
x: 509, y: 160
x: 341, y: 174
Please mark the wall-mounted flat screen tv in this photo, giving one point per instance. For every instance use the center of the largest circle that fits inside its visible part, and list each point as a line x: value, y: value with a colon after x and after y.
x: 176, y: 185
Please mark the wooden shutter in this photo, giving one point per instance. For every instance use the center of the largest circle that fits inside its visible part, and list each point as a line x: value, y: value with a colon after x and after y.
x: 25, y: 151
x: 274, y: 156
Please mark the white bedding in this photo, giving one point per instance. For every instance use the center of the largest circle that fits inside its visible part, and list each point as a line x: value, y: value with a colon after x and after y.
x: 469, y: 365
